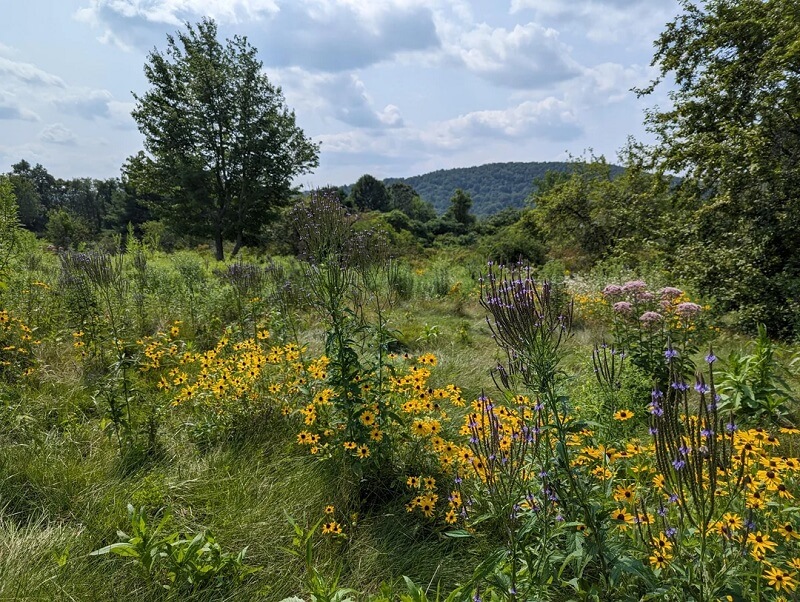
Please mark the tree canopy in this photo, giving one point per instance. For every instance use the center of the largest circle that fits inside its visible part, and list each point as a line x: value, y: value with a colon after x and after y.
x: 221, y: 147
x: 734, y: 130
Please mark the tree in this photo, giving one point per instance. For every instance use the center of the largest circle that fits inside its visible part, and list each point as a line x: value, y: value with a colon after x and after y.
x: 369, y: 194
x: 221, y: 147
x: 734, y: 131
x: 9, y: 223
x: 460, y: 205
x: 591, y: 213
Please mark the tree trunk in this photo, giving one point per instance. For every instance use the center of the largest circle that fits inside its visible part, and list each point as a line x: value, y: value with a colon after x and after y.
x: 220, y: 252
x: 238, y: 245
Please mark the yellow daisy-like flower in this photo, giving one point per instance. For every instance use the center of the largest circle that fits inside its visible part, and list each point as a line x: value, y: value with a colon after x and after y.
x: 427, y: 505
x: 622, y: 516
x: 367, y: 418
x: 780, y: 579
x: 329, y: 509
x: 624, y: 493
x: 663, y: 543
x: 362, y: 452
x: 788, y: 531
x: 760, y: 542
x: 623, y: 415
x: 304, y: 438
x: 331, y: 528
x: 732, y: 521
x: 429, y: 483
x: 659, y: 559
x: 413, y: 482
x: 350, y: 445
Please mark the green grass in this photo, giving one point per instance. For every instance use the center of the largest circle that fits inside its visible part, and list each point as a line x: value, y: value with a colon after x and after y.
x: 64, y: 491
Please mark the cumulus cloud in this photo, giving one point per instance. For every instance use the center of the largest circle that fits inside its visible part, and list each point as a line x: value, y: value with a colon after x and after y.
x: 325, y: 35
x: 56, y: 133
x: 550, y: 118
x: 28, y: 74
x: 92, y: 104
x: 607, y: 83
x: 339, y: 95
x: 10, y: 109
x: 528, y: 56
x: 606, y: 20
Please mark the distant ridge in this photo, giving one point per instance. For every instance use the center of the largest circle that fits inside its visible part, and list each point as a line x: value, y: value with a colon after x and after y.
x: 493, y: 187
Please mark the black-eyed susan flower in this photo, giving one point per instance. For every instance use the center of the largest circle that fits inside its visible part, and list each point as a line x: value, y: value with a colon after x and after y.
x: 622, y: 516
x: 413, y: 482
x: 362, y: 452
x: 780, y: 579
x: 788, y: 531
x: 760, y: 542
x: 367, y: 418
x: 659, y: 559
x: 350, y: 445
x: 624, y: 493
x: 329, y: 509
x: 427, y: 505
x: 623, y: 415
x: 331, y: 528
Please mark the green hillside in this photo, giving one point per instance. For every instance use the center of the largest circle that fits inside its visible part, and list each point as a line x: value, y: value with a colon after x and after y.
x: 493, y: 186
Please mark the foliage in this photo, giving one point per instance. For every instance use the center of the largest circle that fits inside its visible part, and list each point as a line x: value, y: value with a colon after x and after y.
x: 459, y: 209
x: 176, y: 561
x: 594, y: 211
x: 752, y: 384
x: 493, y: 187
x: 9, y: 224
x: 369, y: 194
x: 731, y: 129
x: 221, y: 146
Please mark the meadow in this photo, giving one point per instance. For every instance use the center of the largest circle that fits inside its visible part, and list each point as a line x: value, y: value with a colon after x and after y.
x: 351, y: 425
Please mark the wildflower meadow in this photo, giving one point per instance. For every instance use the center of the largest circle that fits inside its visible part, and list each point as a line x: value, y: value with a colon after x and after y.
x: 339, y: 426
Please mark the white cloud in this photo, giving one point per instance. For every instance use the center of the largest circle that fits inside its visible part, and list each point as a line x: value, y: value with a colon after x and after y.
x: 528, y: 56
x: 550, y: 118
x: 606, y: 20
x: 90, y: 104
x: 325, y: 35
x: 28, y: 74
x: 56, y: 133
x: 337, y: 95
x: 12, y: 110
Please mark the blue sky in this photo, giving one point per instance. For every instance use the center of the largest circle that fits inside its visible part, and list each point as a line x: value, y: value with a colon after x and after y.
x: 388, y: 87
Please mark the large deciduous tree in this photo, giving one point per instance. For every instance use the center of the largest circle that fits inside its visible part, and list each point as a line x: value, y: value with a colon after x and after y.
x: 733, y: 129
x: 221, y: 147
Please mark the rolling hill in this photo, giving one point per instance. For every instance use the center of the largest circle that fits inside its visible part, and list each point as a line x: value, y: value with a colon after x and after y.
x: 493, y: 186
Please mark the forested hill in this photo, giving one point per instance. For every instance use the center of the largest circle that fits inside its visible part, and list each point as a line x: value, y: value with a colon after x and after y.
x: 493, y: 187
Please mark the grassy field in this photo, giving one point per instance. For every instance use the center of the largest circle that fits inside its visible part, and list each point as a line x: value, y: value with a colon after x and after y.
x: 157, y: 402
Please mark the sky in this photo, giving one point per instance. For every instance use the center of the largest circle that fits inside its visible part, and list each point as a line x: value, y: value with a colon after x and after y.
x: 392, y: 88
